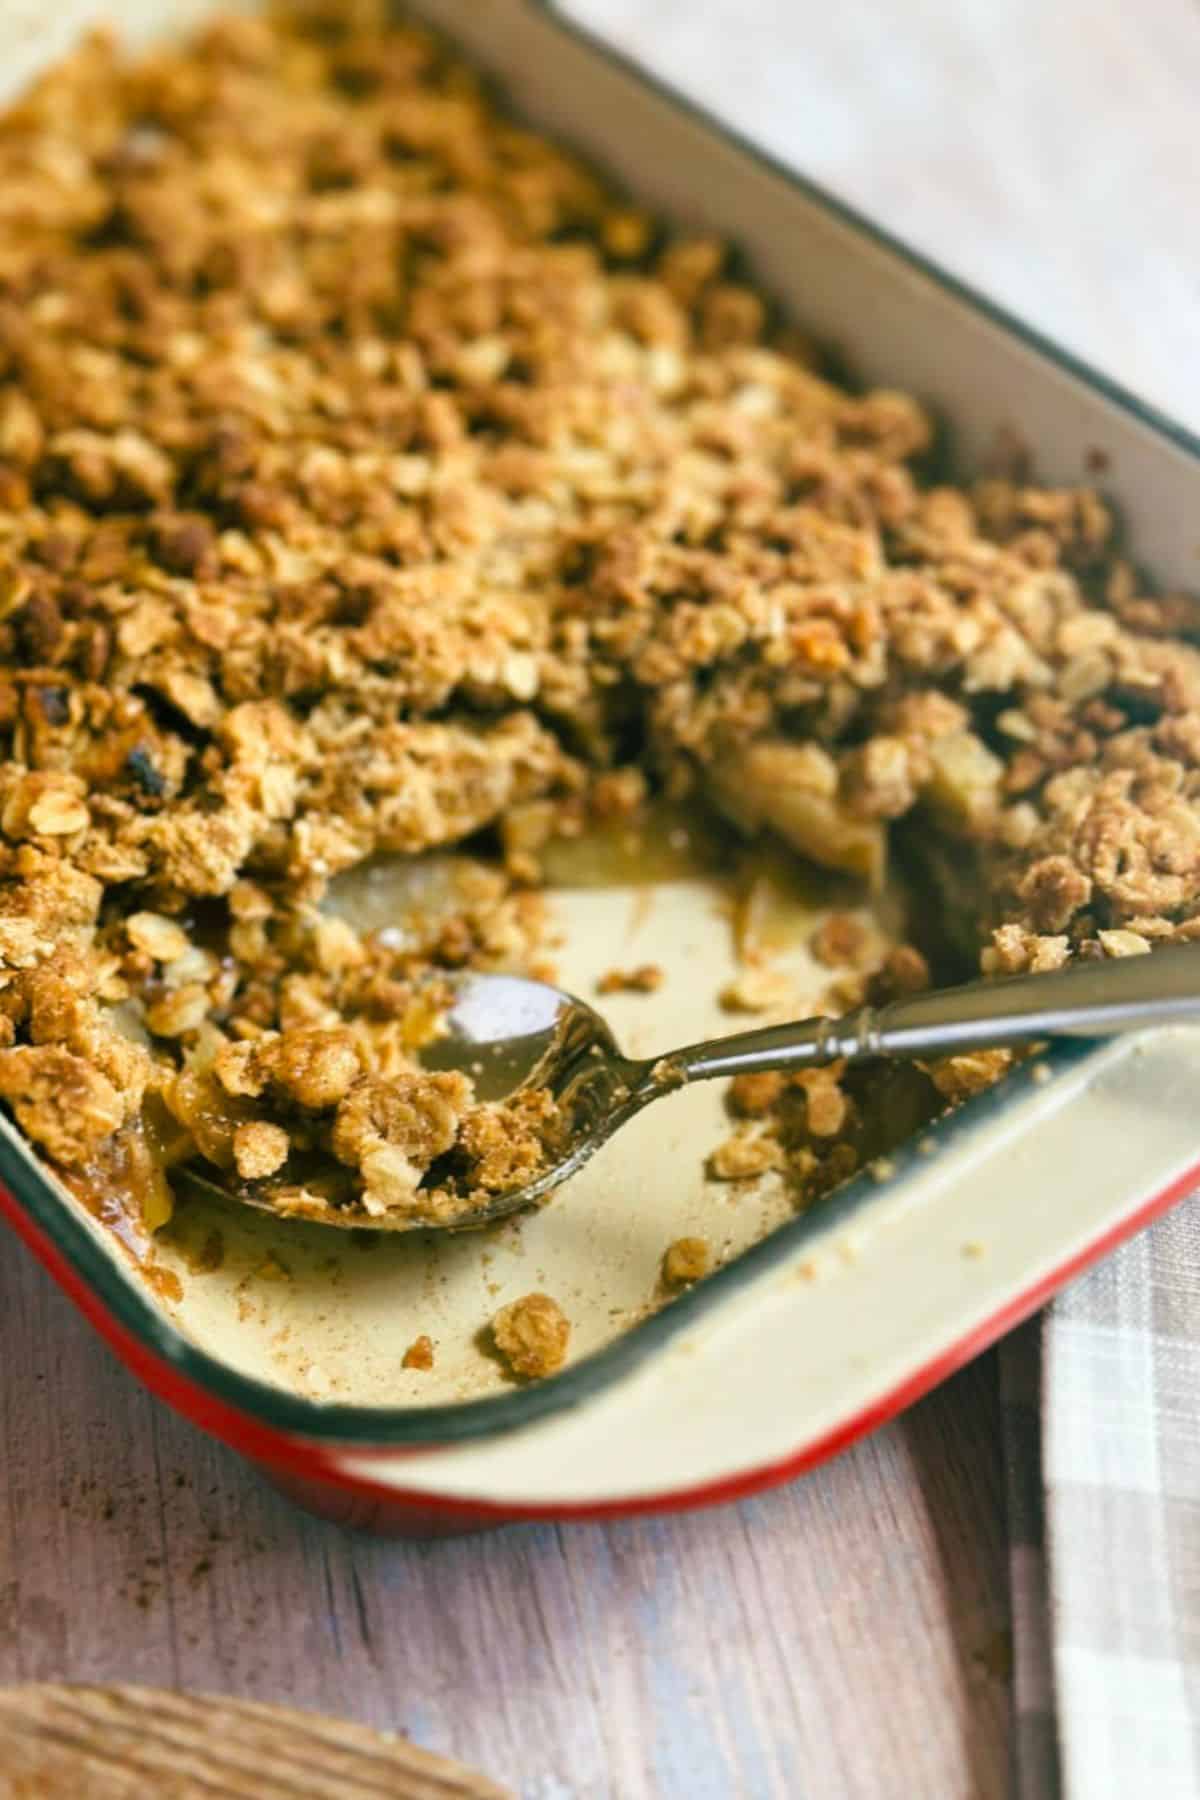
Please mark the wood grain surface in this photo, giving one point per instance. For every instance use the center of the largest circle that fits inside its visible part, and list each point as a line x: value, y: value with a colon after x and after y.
x: 843, y: 1636
x: 831, y: 1627
x: 126, y: 1743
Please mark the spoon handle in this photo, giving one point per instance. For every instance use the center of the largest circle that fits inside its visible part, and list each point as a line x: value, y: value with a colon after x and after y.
x: 1083, y: 1000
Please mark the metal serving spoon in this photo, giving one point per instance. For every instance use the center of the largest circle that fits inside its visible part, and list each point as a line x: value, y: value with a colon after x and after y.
x: 506, y: 1031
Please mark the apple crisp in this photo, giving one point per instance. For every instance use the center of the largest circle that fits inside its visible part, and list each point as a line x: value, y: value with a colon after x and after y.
x: 373, y: 480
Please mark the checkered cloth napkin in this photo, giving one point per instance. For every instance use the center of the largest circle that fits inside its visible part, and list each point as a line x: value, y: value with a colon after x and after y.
x: 1101, y: 1403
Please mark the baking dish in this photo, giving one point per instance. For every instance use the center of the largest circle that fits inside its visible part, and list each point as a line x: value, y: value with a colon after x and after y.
x: 836, y: 1318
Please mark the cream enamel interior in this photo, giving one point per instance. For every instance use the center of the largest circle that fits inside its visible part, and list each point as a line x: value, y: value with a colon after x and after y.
x: 803, y: 1348
x: 809, y: 1349
x: 329, y: 1315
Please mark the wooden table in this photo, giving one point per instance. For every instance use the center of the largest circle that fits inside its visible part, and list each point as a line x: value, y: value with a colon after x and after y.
x: 845, y: 1635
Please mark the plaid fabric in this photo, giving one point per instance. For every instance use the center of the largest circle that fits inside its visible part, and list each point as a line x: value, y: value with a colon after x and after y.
x: 1104, y: 1508
x: 1034, y: 1740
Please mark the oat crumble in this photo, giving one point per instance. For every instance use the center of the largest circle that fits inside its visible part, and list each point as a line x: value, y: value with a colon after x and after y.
x: 371, y: 479
x: 743, y: 1157
x: 687, y: 1260
x: 531, y: 1335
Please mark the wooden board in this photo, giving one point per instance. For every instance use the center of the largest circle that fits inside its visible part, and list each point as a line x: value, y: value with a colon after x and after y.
x: 124, y: 1743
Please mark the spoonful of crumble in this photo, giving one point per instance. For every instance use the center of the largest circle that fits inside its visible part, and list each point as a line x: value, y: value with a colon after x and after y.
x: 524, y: 1083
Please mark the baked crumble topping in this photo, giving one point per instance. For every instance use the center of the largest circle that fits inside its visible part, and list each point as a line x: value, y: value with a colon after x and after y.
x: 687, y: 1260
x: 373, y: 480
x: 532, y: 1335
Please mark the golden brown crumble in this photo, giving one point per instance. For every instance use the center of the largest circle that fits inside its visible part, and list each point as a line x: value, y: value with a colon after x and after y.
x: 743, y: 1157
x: 61, y: 1099
x: 392, y: 1130
x: 505, y: 1147
x: 372, y: 478
x: 531, y: 1335
x: 259, y: 1148
x: 958, y: 1077
x: 688, y: 1259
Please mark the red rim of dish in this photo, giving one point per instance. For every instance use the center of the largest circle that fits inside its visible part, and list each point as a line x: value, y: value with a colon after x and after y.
x: 278, y: 1452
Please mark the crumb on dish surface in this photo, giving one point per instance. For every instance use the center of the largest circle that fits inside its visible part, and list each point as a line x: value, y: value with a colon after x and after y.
x: 687, y: 1260
x: 750, y: 1096
x: 743, y: 1157
x: 259, y: 1148
x: 646, y: 978
x: 959, y: 1077
x: 532, y: 1334
x: 419, y: 1354
x: 375, y: 483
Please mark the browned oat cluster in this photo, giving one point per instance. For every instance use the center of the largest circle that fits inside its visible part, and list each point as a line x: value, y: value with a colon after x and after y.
x: 686, y: 1260
x: 370, y: 479
x: 532, y: 1335
x: 820, y: 1126
x: 647, y: 978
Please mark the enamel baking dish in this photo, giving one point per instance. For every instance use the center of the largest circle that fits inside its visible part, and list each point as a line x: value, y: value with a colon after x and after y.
x: 289, y: 1345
